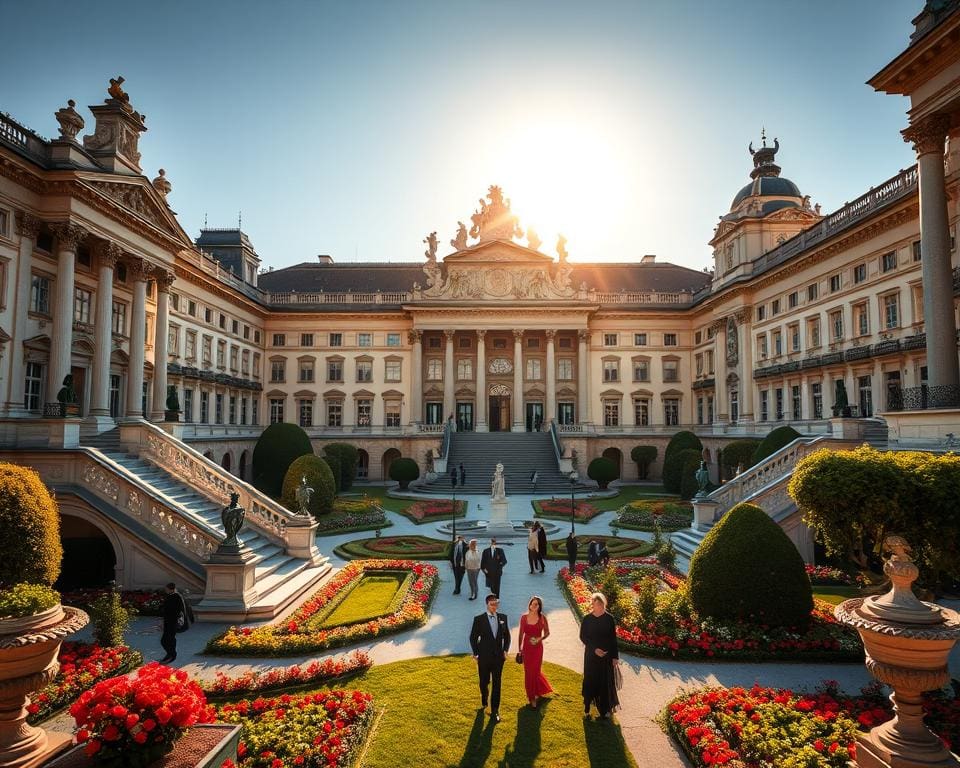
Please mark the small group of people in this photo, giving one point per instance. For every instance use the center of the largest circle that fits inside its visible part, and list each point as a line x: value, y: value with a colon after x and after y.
x: 458, y: 472
x: 537, y: 548
x: 490, y: 644
x: 467, y: 560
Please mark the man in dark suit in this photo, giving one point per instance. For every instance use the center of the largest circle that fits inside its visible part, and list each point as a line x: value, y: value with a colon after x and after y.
x: 463, y: 476
x: 541, y: 547
x: 490, y: 642
x: 175, y: 619
x: 458, y: 560
x: 491, y: 563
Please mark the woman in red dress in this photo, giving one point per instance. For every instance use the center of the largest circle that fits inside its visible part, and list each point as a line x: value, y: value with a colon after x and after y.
x: 533, y: 631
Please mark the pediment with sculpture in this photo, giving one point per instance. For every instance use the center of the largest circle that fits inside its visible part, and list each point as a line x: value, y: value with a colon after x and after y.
x: 495, y: 268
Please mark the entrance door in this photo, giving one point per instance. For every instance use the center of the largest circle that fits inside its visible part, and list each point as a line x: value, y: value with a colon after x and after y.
x: 534, y: 417
x: 464, y: 417
x: 499, y: 413
x: 565, y: 413
x: 115, y: 396
x: 78, y: 384
x: 434, y: 413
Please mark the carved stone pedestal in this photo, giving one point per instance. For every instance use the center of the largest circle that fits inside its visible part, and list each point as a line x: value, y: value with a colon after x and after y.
x: 231, y: 587
x: 704, y: 511
x: 498, y: 511
x: 301, y: 539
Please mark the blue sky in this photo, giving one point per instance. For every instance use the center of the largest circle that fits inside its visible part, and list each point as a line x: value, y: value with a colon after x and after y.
x: 356, y: 128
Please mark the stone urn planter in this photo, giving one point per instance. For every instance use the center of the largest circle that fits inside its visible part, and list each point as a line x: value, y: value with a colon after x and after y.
x: 28, y: 661
x: 907, y: 645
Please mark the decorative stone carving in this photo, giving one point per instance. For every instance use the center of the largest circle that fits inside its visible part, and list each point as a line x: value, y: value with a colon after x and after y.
x: 928, y: 135
x: 70, y: 121
x: 108, y: 253
x: 500, y: 365
x: 460, y: 241
x: 500, y: 390
x: 133, y: 198
x: 733, y: 342
x: 28, y: 225
x: 533, y: 242
x: 69, y: 235
x: 517, y: 335
x: 165, y: 280
x: 414, y: 337
x: 102, y: 481
x: 116, y: 92
x: 431, y: 252
x: 140, y: 270
x: 562, y: 248
x: 162, y: 184
x: 494, y: 220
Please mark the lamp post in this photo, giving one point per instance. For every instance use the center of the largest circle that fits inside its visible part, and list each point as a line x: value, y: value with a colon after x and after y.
x: 573, y: 507
x: 453, y: 484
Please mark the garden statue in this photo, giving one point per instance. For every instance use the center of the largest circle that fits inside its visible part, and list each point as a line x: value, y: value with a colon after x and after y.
x: 67, y: 394
x: 841, y: 405
x: 232, y: 519
x: 498, y: 488
x: 173, y: 400
x: 702, y: 476
x: 303, y: 495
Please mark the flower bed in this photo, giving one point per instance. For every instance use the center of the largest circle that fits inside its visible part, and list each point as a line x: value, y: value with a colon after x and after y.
x: 643, y: 515
x: 316, y: 729
x: 824, y: 575
x: 316, y: 672
x: 363, y: 514
x: 559, y: 509
x: 616, y: 546
x: 301, y: 633
x: 675, y: 631
x: 766, y: 726
x: 403, y: 547
x: 81, y: 666
x: 143, y: 602
x: 434, y: 509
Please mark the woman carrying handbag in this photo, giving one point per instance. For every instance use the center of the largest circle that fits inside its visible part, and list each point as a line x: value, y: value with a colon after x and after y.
x: 534, y: 629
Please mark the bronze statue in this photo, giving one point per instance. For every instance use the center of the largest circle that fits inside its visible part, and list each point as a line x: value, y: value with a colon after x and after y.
x: 232, y: 519
x: 303, y: 495
x: 116, y: 91
x: 702, y: 476
x: 67, y: 394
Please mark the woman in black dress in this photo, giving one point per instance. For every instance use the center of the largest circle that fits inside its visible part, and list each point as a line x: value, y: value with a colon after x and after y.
x: 598, y: 633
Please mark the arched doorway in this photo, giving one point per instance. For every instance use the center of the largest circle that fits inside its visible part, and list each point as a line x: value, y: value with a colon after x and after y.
x: 616, y: 456
x: 227, y: 462
x: 500, y: 418
x: 389, y: 456
x: 242, y: 466
x: 89, y: 559
x: 363, y: 464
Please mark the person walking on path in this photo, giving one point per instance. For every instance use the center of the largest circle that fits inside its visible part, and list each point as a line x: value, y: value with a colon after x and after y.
x: 175, y: 619
x: 491, y: 563
x: 572, y: 545
x: 541, y: 547
x: 471, y: 562
x: 490, y: 643
x: 532, y: 544
x: 458, y: 555
x: 463, y: 476
x: 534, y: 629
x: 453, y: 477
x: 598, y: 633
x: 533, y: 480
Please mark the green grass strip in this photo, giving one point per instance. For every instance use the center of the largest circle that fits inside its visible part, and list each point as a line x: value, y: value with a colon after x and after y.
x: 372, y: 596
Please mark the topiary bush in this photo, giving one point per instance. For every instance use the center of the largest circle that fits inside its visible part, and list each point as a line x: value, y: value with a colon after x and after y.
x: 644, y: 456
x: 110, y: 619
x: 672, y: 465
x: 404, y: 471
x: 30, y: 549
x: 773, y: 442
x: 332, y: 461
x: 747, y: 569
x: 319, y: 477
x: 26, y: 600
x: 349, y: 458
x: 278, y: 446
x: 689, y: 461
x: 738, y: 452
x: 602, y: 470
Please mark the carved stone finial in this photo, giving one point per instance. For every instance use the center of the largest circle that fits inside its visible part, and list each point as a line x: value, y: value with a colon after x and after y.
x: 533, y: 241
x: 494, y: 220
x: 70, y: 121
x: 460, y: 241
x: 116, y: 92
x: 900, y: 605
x: 431, y: 252
x: 161, y: 184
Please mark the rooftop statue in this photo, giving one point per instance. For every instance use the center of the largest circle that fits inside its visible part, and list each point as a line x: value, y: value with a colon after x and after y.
x: 494, y: 220
x: 116, y: 91
x: 562, y: 248
x: 460, y: 241
x: 431, y: 252
x: 533, y: 241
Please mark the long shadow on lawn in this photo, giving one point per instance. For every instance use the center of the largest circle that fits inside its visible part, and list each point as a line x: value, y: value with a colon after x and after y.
x: 526, y: 745
x: 605, y: 745
x: 479, y: 743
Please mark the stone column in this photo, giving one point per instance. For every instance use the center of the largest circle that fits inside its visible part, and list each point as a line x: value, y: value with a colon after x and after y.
x: 721, y: 398
x: 943, y: 372
x: 449, y: 376
x: 139, y: 270
x: 107, y: 255
x: 28, y: 227
x: 416, y: 378
x: 746, y: 367
x: 481, y: 415
x: 583, y: 377
x: 551, y: 405
x: 161, y: 329
x: 518, y: 425
x: 806, y: 402
x: 69, y: 236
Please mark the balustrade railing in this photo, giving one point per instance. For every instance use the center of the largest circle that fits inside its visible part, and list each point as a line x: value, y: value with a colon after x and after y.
x: 642, y: 297
x: 322, y: 297
x: 434, y: 429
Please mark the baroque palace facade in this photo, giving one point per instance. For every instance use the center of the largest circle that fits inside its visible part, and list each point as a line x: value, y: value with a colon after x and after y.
x: 98, y: 281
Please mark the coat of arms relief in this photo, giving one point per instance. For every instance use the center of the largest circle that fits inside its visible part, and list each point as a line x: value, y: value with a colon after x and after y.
x: 495, y: 267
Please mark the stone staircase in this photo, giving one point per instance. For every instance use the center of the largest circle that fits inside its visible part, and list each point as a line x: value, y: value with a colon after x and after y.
x: 280, y: 578
x: 520, y: 453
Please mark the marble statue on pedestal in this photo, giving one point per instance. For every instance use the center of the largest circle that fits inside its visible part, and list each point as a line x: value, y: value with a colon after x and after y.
x: 498, y: 486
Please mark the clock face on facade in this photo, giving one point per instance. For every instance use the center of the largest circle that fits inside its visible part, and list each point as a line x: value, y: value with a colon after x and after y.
x: 500, y: 365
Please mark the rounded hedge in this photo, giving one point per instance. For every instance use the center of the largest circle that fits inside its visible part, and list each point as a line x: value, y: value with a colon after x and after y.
x: 773, y: 442
x: 29, y: 529
x: 672, y: 465
x: 404, y: 471
x: 739, y: 452
x: 349, y: 459
x: 689, y: 461
x: 332, y: 461
x: 319, y: 477
x: 275, y: 451
x: 746, y: 568
x: 602, y: 470
x: 644, y: 456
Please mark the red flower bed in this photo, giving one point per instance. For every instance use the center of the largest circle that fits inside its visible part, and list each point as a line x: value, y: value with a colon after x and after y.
x: 319, y: 729
x: 131, y: 721
x: 144, y: 602
x: 321, y: 671
x: 759, y: 726
x: 81, y: 665
x: 824, y: 575
x: 428, y: 510
x: 561, y: 508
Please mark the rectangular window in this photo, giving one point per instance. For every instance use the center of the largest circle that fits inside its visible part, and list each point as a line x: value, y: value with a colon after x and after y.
x: 611, y: 370
x: 777, y: 343
x: 223, y: 321
x: 119, y: 319
x: 255, y: 411
x: 278, y: 371
x: 567, y: 343
x: 761, y: 312
x: 794, y: 331
x: 762, y: 349
x: 305, y: 412
x: 364, y: 371
x: 192, y: 308
x: 611, y: 413
x: 207, y: 350
x: 669, y: 339
x: 235, y: 327
x: 671, y: 370
x: 334, y: 370
x: 834, y: 283
x: 533, y: 370
x: 173, y: 340
x: 208, y: 315
x: 565, y: 369
x: 699, y: 410
x: 639, y: 339
x: 464, y: 370
x: 699, y: 364
x: 859, y: 273
x: 916, y: 250
x: 243, y: 410
x: 734, y: 406
x: 364, y: 412
x: 865, y: 387
x: 434, y: 369
x: 533, y: 342
x: 793, y: 299
x: 232, y: 409
x: 40, y: 295
x: 813, y: 328
x: 861, y: 318
x: 392, y: 414
x: 433, y: 342
x: 888, y: 262
x: 334, y: 413
x: 33, y: 380
x: 82, y: 302
x: 775, y: 307
x: 813, y: 291
x: 391, y: 370
x: 779, y: 399
x: 816, y: 390
x: 891, y: 311
x: 256, y: 366
x: 279, y: 339
x: 499, y: 343
x: 246, y: 332
x: 305, y: 371
x: 306, y: 339
x: 836, y: 325
x: 234, y: 358
x: 188, y: 405
x: 764, y: 405
x: 795, y: 401
x: 641, y: 412
x: 256, y: 337
x: 364, y: 339
x: 204, y: 407
x: 276, y: 410
x: 464, y: 342
x: 393, y: 340
x: 218, y: 409
x: 245, y: 362
x: 609, y: 339
x: 190, y: 345
x: 221, y: 354
x: 671, y: 411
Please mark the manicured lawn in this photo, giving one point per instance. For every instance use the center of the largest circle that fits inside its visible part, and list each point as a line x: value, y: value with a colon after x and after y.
x: 405, y: 547
x: 352, y: 513
x: 431, y: 718
x: 371, y: 597
x: 836, y: 595
x: 616, y: 546
x: 631, y: 493
x: 402, y: 506
x: 588, y: 508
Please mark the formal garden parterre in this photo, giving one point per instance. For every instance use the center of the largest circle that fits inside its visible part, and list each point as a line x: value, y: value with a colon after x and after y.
x: 400, y: 547
x: 648, y: 515
x: 559, y: 509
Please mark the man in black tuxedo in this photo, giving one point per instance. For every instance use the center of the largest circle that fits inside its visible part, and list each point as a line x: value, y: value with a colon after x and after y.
x: 491, y: 563
x: 458, y: 560
x: 490, y: 642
